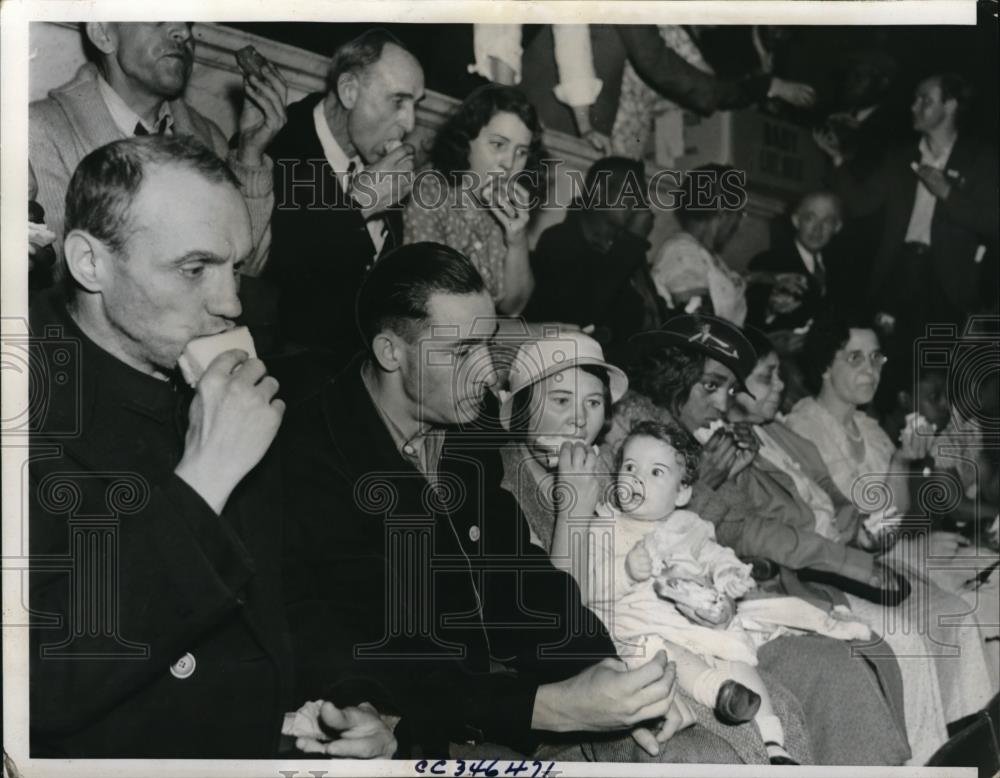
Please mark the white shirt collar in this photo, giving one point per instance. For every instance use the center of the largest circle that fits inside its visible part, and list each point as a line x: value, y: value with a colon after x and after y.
x: 930, y: 158
x: 124, y: 117
x: 339, y: 161
x: 808, y: 257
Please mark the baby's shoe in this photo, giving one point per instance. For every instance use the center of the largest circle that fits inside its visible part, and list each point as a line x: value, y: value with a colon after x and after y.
x: 735, y: 703
x: 777, y: 754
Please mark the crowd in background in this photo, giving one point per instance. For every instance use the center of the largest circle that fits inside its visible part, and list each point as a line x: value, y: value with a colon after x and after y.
x: 741, y: 574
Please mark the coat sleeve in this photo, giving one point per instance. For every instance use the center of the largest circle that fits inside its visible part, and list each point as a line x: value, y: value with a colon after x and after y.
x: 257, y: 187
x: 172, y: 570
x: 339, y: 599
x: 674, y: 78
x: 52, y: 171
x: 974, y: 205
x: 742, y: 526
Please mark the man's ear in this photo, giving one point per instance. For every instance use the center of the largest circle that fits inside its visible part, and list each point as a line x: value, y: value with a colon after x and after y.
x: 387, y: 348
x: 795, y: 221
x: 348, y: 87
x: 951, y: 105
x: 102, y: 35
x: 87, y: 259
x: 683, y: 497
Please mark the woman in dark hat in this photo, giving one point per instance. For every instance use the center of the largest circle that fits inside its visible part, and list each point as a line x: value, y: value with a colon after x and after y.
x: 688, y: 372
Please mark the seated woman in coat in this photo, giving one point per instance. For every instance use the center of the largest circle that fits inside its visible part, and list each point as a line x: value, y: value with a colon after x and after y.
x: 843, y: 365
x: 688, y: 372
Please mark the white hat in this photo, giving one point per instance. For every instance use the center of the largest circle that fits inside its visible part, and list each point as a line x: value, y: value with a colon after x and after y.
x: 536, y: 360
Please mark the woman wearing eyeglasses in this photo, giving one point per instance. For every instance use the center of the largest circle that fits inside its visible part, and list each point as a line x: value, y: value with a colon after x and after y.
x: 842, y: 364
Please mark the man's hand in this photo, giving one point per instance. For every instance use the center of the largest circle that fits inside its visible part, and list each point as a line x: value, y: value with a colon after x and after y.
x: 233, y: 420
x: 607, y: 697
x: 828, y: 142
x: 358, y: 733
x: 263, y: 114
x: 638, y: 563
x: 510, y: 210
x: 794, y: 282
x: 718, y: 456
x: 598, y: 140
x: 577, y: 488
x: 384, y: 183
x: 680, y: 716
x: 934, y: 179
x: 792, y: 92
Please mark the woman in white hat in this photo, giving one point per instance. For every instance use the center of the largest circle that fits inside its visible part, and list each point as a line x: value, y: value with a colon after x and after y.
x: 558, y: 406
x: 560, y: 395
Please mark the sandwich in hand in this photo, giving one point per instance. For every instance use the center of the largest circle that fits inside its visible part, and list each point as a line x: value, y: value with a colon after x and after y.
x: 199, y: 353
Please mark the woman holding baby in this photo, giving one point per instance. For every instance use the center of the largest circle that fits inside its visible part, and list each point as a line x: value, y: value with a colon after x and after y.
x: 557, y: 409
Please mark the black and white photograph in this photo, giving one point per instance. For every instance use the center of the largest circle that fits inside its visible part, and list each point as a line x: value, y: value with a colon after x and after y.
x: 501, y: 389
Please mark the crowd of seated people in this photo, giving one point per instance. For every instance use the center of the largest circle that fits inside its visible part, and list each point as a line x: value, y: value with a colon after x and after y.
x: 478, y: 500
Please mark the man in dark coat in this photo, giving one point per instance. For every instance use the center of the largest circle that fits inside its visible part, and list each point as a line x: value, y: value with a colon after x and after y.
x: 155, y: 512
x: 338, y: 181
x: 936, y: 259
x: 816, y: 220
x: 419, y: 565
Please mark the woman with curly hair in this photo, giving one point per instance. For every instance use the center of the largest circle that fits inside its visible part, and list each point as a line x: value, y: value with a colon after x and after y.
x: 689, y: 372
x: 842, y: 364
x: 485, y: 170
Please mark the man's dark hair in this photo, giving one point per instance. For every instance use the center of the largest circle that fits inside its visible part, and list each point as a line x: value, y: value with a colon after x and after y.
x: 359, y: 54
x: 829, y: 333
x: 394, y: 295
x: 814, y: 194
x: 450, y: 152
x: 667, y: 376
x: 675, y: 436
x: 955, y: 86
x: 609, y: 181
x: 108, y: 179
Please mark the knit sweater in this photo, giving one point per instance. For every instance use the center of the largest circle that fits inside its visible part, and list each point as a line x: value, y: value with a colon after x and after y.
x: 74, y: 120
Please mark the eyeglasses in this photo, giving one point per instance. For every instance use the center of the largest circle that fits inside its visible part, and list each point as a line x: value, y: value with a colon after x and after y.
x: 857, y: 358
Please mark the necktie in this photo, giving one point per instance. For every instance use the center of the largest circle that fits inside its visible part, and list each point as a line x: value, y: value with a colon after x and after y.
x: 352, y: 168
x: 819, y: 273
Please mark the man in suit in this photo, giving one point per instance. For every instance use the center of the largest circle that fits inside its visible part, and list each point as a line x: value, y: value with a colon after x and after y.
x: 136, y: 87
x: 410, y: 566
x: 340, y: 171
x: 155, y: 510
x: 936, y: 258
x: 816, y: 220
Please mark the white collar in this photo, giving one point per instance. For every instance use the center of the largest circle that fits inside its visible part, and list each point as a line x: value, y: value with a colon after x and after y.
x: 928, y: 156
x: 124, y: 117
x: 809, y: 258
x: 339, y: 161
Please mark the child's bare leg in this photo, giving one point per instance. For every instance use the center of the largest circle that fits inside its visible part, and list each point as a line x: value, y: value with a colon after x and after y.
x: 766, y: 719
x: 715, y: 687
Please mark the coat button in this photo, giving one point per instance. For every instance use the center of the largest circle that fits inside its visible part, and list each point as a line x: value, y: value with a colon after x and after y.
x: 474, y: 533
x: 183, y: 667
